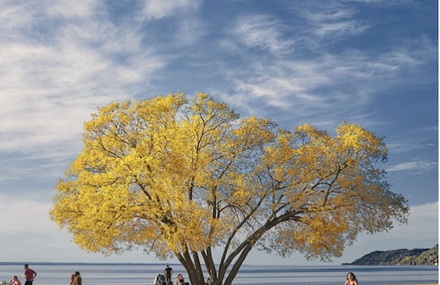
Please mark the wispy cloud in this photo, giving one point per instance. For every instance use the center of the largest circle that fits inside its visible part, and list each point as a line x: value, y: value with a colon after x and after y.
x: 301, y: 75
x: 66, y: 9
x: 156, y: 9
x: 331, y: 20
x: 263, y: 32
x: 345, y: 82
x: 55, y: 80
x: 334, y: 24
x: 340, y: 29
x: 409, y: 145
x: 412, y: 165
x: 60, y: 61
x: 293, y: 62
x: 185, y: 27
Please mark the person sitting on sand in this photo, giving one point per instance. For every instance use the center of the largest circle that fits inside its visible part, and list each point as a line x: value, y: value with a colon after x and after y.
x: 180, y: 280
x: 15, y: 281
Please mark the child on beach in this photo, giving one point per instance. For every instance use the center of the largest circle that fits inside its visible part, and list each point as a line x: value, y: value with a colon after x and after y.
x: 15, y: 281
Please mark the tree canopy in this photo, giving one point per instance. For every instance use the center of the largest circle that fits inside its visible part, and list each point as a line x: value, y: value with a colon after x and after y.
x: 186, y: 177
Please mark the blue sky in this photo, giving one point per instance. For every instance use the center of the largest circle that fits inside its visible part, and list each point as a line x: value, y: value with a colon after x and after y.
x: 371, y: 62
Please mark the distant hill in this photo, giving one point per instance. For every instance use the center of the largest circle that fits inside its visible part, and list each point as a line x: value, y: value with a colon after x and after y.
x: 417, y: 256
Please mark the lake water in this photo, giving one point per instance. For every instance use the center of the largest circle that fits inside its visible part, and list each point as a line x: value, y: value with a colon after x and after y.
x: 144, y: 274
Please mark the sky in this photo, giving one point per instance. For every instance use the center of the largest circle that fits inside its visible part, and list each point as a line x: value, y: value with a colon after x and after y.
x: 370, y: 62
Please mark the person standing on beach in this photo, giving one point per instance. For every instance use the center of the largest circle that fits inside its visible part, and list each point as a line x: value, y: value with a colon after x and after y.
x: 168, y: 272
x: 29, y: 274
x: 351, y: 279
x: 76, y: 279
x: 72, y: 278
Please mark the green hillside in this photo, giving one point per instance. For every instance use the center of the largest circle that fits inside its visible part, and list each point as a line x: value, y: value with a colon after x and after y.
x: 417, y: 256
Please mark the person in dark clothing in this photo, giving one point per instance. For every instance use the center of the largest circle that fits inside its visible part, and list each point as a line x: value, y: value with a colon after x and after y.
x: 168, y: 272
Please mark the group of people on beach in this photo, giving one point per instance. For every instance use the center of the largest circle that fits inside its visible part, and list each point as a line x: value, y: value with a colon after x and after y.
x: 180, y: 280
x: 75, y: 279
x: 166, y: 278
x: 168, y: 272
x: 28, y: 274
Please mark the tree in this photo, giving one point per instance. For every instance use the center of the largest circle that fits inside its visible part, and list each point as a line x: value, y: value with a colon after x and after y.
x: 188, y: 178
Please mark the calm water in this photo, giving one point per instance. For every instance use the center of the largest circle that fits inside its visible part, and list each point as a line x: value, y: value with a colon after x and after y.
x: 143, y: 274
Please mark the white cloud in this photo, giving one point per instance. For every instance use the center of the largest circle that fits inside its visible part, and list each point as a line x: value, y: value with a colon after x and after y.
x: 8, y: 14
x: 412, y: 165
x: 344, y: 81
x: 263, y: 32
x: 156, y: 9
x: 340, y: 29
x: 421, y: 141
x: 70, y: 9
x: 51, y: 85
x: 62, y: 59
x: 291, y: 83
x: 332, y: 12
x: 331, y: 20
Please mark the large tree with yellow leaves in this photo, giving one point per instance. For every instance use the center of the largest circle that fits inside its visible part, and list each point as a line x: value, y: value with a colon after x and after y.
x: 188, y: 178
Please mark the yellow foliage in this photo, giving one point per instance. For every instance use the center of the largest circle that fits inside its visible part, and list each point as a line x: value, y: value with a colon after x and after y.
x: 185, y: 176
